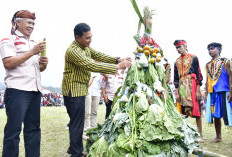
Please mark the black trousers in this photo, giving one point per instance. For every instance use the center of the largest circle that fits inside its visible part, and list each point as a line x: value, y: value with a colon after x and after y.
x: 108, y: 108
x: 76, y: 110
x: 22, y: 106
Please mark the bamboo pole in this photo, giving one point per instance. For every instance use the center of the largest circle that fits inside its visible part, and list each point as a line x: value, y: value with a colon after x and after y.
x: 204, y: 153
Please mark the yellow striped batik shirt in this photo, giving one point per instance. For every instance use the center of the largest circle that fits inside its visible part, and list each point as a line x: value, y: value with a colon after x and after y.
x: 78, y: 67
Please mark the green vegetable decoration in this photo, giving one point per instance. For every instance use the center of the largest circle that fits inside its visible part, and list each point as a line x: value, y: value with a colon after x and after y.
x: 44, y: 52
x: 144, y: 121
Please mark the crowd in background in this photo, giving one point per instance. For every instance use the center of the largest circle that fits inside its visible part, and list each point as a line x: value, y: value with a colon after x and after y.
x: 50, y: 99
x: 2, y: 101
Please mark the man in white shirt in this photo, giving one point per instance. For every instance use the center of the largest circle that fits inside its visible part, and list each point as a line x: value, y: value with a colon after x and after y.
x: 92, y: 100
x: 23, y: 64
x: 109, y: 88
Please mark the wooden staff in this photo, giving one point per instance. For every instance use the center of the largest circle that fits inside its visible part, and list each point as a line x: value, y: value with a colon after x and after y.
x: 204, y: 153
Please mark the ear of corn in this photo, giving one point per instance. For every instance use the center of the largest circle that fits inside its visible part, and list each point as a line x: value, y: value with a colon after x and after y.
x: 44, y: 52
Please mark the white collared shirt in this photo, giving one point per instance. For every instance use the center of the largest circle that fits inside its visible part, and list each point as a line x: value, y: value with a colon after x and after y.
x: 112, y: 84
x: 95, y: 88
x: 25, y: 76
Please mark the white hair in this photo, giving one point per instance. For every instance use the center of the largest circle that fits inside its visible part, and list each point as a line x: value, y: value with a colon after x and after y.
x: 18, y: 19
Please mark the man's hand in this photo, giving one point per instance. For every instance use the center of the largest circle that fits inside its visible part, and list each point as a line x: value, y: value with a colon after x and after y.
x: 198, y: 95
x: 106, y: 99
x: 205, y: 98
x: 123, y: 64
x: 177, y: 97
x: 229, y: 97
x: 122, y: 59
x: 43, y: 61
x: 12, y: 62
x: 40, y: 47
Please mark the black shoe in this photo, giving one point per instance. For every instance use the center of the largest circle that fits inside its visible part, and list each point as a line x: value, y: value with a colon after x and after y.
x: 69, y: 151
x: 83, y: 154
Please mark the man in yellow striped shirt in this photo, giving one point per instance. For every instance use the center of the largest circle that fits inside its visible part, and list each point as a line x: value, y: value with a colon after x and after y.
x: 77, y: 72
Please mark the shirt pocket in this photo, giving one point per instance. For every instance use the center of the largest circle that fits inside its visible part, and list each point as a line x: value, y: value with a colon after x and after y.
x: 111, y: 80
x: 120, y: 80
x: 20, y: 50
x: 21, y: 47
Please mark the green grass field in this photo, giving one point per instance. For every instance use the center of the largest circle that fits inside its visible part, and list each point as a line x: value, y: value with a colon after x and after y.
x: 55, y: 138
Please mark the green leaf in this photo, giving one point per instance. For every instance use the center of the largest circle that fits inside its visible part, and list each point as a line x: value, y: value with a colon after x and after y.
x: 139, y: 28
x: 127, y: 129
x: 99, y: 148
x: 120, y: 119
x: 137, y: 10
x: 141, y: 75
x: 125, y: 142
x: 142, y: 105
x: 190, y: 137
x: 137, y: 39
x: 115, y: 151
x: 155, y: 114
x: 151, y: 148
x: 177, y: 150
x: 160, y: 72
